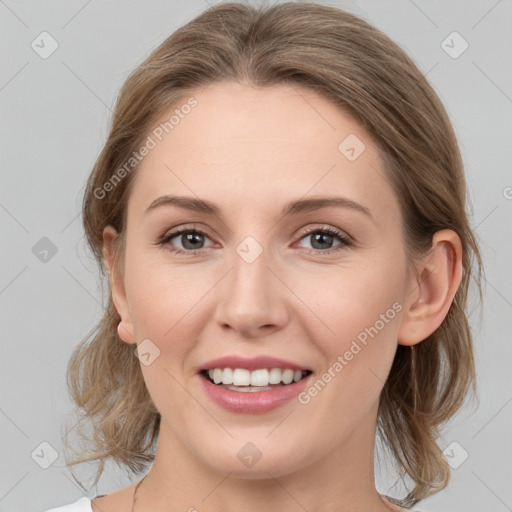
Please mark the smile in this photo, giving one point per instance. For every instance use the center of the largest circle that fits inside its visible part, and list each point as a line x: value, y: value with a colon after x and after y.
x: 263, y: 379
x: 258, y: 391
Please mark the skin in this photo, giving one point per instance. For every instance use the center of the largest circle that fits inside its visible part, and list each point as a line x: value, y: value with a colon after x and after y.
x: 250, y: 150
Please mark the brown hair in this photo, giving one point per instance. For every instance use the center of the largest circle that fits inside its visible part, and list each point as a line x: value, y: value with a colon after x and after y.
x: 357, y: 67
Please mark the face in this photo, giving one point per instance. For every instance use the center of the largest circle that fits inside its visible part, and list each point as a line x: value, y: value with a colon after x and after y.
x: 319, y: 287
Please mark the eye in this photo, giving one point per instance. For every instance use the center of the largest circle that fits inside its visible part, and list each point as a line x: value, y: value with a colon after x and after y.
x: 323, y: 238
x: 191, y: 240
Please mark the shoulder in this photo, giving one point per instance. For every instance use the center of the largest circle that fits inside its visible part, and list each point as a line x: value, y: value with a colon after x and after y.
x: 82, y: 505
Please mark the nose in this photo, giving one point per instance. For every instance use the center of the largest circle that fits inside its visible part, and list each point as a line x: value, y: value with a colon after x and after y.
x: 252, y: 298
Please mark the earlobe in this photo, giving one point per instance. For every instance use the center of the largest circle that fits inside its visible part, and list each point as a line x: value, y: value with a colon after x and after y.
x: 125, y: 328
x: 125, y: 333
x: 438, y: 277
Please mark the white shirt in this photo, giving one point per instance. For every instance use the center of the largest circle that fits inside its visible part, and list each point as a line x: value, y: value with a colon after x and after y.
x: 82, y: 505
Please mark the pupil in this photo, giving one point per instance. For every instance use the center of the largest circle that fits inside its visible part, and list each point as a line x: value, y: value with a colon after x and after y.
x: 189, y: 238
x: 322, y: 235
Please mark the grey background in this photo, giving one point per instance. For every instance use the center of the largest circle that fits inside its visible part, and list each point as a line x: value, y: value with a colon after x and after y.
x: 54, y: 121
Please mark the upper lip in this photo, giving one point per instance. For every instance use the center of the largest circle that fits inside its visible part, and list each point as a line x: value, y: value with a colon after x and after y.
x: 251, y: 363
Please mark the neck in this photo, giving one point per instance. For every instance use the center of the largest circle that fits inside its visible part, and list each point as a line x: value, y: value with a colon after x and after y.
x: 341, y: 480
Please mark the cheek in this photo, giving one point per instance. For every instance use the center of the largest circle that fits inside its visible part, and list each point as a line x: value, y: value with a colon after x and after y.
x: 165, y: 301
x: 360, y: 311
x: 165, y: 307
x: 350, y: 300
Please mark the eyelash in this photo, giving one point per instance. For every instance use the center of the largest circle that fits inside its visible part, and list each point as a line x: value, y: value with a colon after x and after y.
x: 345, y: 239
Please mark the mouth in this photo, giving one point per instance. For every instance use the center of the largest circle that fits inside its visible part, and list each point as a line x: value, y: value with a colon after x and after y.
x: 243, y: 380
x: 257, y: 391
x: 254, y: 385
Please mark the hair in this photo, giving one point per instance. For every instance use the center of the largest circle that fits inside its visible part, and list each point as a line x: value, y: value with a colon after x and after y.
x: 361, y: 70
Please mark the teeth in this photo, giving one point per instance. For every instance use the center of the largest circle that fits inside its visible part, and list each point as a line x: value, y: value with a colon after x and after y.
x: 250, y: 389
x: 227, y: 376
x: 217, y: 375
x: 287, y: 377
x: 256, y: 379
x: 241, y: 377
x: 275, y: 376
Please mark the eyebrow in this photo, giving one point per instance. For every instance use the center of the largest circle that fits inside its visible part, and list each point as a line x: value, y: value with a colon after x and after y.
x: 290, y: 208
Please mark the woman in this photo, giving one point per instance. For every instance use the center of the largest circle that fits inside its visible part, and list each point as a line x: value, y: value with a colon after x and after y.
x: 280, y: 207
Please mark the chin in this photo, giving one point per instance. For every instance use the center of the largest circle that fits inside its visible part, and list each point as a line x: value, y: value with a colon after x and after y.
x: 253, y: 463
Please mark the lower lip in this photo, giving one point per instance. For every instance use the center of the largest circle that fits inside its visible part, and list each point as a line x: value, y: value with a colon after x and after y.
x: 256, y: 402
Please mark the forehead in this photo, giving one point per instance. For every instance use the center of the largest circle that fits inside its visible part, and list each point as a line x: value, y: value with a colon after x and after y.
x: 242, y: 145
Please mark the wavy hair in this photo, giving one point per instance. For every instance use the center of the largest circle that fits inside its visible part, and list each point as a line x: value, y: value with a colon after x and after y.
x: 360, y: 69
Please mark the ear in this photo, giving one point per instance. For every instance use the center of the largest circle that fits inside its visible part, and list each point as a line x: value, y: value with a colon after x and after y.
x: 438, y: 277
x: 125, y: 327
